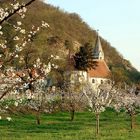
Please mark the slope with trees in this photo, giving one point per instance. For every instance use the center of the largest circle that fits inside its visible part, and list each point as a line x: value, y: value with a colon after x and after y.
x: 64, y: 27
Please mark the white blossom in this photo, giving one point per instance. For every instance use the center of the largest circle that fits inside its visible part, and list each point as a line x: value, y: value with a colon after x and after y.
x: 19, y: 23
x: 24, y: 44
x: 16, y: 56
x: 6, y: 107
x: 15, y: 6
x: 9, y: 119
x: 16, y: 38
x: 22, y: 31
x: 1, y: 33
x: 23, y: 16
x: 16, y: 103
x: 45, y: 24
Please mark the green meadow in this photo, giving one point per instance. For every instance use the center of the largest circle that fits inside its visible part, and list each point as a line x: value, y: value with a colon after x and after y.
x: 58, y: 126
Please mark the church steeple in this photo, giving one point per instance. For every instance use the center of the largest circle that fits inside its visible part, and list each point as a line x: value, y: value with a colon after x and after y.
x: 98, y: 51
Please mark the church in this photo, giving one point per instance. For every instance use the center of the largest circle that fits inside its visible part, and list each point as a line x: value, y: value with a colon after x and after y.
x: 101, y: 72
x: 97, y: 75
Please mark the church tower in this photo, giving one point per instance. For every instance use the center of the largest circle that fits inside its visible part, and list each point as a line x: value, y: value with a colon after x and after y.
x: 98, y: 53
x: 100, y: 73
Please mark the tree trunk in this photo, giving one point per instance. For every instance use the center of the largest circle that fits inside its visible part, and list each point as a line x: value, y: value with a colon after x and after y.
x: 38, y: 118
x: 132, y: 121
x: 72, y: 114
x: 97, y: 123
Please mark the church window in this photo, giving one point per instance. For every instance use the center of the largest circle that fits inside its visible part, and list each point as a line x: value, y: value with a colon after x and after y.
x: 93, y: 80
x: 108, y: 81
x: 101, y: 81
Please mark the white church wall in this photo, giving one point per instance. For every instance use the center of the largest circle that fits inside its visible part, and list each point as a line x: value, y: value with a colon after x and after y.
x: 95, y: 81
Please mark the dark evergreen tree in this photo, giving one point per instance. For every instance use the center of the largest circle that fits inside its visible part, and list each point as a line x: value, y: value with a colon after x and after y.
x: 84, y: 58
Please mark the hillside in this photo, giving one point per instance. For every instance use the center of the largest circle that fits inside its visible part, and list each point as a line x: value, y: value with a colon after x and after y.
x: 69, y: 27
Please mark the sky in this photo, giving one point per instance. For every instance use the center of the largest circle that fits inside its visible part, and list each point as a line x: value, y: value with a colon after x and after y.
x: 118, y: 21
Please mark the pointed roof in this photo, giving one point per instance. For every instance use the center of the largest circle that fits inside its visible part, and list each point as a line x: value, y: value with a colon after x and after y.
x: 100, y: 71
x: 98, y: 51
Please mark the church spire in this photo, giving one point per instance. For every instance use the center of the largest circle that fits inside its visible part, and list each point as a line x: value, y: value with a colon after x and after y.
x: 98, y: 51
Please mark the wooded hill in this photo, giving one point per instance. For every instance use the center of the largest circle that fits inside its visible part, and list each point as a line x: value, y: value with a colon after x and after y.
x: 69, y: 27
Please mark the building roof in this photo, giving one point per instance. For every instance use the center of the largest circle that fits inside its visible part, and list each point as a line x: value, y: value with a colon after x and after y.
x: 100, y: 71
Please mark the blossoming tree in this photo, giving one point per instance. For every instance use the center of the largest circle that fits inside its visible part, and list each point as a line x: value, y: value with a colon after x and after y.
x: 128, y: 100
x: 11, y: 47
x: 99, y: 97
x: 73, y: 97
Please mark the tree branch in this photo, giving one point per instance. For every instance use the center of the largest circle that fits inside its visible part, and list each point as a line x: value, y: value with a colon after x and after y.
x: 11, y: 14
x: 8, y: 90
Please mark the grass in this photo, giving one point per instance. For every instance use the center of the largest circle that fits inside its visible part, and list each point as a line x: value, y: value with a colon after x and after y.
x: 58, y: 127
